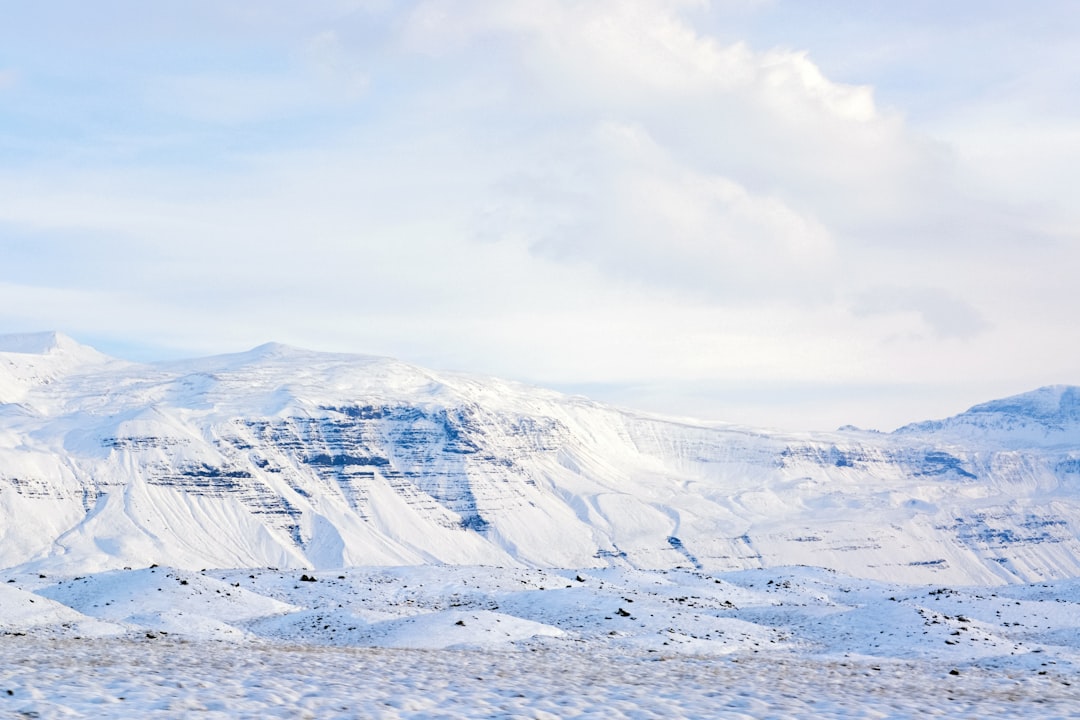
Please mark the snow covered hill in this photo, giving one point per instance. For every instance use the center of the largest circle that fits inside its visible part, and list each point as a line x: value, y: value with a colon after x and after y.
x: 287, y: 458
x: 484, y: 642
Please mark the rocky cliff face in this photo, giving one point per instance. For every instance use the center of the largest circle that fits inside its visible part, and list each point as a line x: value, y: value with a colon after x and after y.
x: 284, y: 457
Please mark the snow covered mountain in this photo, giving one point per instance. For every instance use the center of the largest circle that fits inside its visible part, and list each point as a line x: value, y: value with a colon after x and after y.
x: 288, y: 458
x: 1048, y: 416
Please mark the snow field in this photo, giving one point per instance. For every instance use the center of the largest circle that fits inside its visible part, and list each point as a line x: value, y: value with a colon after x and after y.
x: 62, y: 677
x: 448, y: 641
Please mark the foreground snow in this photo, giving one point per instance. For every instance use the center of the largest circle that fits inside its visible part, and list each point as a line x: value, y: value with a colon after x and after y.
x: 142, y: 678
x: 510, y: 642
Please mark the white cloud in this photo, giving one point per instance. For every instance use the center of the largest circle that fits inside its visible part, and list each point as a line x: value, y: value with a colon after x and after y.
x: 633, y: 210
x: 939, y: 311
x: 332, y: 61
x: 560, y: 191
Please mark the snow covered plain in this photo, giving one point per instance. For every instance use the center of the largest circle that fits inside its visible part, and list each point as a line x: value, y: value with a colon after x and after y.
x: 445, y: 641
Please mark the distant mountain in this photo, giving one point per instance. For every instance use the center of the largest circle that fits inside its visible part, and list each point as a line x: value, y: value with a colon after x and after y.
x: 30, y: 360
x: 289, y: 458
x: 1047, y: 416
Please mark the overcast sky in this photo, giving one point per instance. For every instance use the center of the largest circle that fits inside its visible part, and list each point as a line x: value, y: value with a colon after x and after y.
x: 796, y: 213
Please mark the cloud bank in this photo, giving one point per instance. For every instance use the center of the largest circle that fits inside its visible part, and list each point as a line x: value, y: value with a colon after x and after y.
x: 626, y: 193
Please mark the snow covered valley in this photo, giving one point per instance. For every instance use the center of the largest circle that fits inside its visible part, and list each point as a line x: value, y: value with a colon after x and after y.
x: 453, y: 641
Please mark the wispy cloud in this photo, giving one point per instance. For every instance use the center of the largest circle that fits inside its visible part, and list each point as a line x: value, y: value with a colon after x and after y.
x: 940, y: 312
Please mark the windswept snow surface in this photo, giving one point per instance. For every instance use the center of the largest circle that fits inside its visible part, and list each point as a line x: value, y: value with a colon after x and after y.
x: 288, y: 458
x: 468, y: 642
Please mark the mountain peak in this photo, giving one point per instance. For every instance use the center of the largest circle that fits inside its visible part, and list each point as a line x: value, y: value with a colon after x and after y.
x: 1047, y: 415
x: 276, y: 353
x: 1056, y: 404
x: 36, y: 359
x: 276, y: 350
x: 38, y: 343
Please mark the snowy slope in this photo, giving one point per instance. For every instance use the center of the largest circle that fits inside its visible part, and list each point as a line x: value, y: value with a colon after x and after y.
x: 287, y: 458
x: 1049, y: 416
x: 457, y: 641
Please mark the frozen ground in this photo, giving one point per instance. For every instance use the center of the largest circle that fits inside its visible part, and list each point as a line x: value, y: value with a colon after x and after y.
x: 170, y: 678
x: 497, y: 642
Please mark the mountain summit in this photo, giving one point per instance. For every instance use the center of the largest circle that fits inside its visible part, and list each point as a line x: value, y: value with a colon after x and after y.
x: 1046, y: 416
x: 33, y: 343
x: 28, y: 360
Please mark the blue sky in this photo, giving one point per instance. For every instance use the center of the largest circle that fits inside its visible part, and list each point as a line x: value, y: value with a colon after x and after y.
x: 798, y: 214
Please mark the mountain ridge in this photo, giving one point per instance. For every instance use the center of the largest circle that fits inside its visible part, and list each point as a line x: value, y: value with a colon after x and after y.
x: 1046, y: 415
x: 285, y: 457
